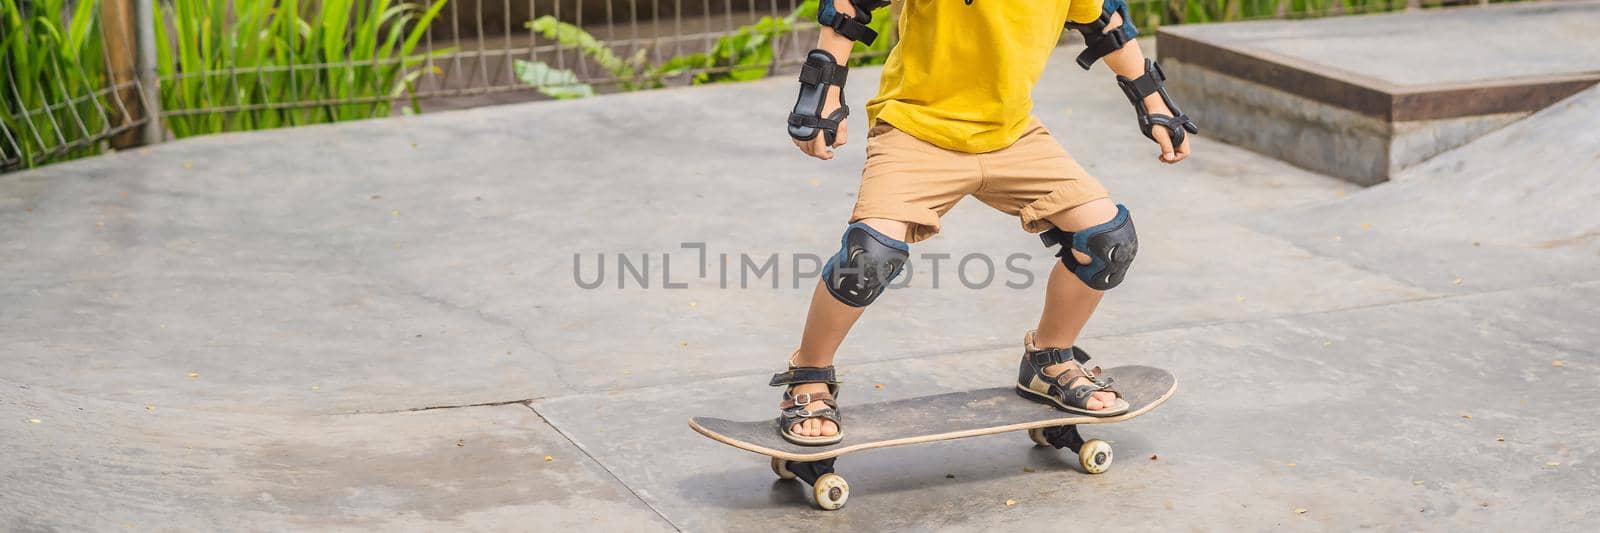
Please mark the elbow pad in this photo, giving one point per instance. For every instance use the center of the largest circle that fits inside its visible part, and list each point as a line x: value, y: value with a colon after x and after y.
x: 853, y: 28
x: 1098, y: 42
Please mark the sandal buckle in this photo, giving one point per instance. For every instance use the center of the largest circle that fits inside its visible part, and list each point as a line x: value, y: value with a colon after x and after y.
x: 797, y: 401
x: 1092, y: 377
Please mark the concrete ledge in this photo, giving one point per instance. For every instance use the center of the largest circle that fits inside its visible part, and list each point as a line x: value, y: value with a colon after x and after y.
x: 1358, y: 98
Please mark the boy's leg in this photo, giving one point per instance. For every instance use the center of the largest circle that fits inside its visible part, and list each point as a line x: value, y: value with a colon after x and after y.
x: 906, y: 186
x: 1038, y: 181
x: 1068, y: 301
x: 827, y: 323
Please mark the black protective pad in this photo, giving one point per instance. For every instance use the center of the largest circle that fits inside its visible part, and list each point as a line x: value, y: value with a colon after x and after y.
x: 819, y: 72
x: 853, y: 28
x: 1111, y: 248
x: 865, y: 264
x: 1097, y: 41
x: 1154, y: 82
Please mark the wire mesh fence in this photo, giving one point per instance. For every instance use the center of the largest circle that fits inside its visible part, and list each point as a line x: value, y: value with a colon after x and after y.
x: 74, y: 86
x: 66, y: 82
x: 641, y: 44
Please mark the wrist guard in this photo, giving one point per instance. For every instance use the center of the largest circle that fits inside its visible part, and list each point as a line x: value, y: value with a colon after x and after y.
x: 1098, y: 42
x: 819, y: 72
x: 1154, y: 82
x: 853, y: 28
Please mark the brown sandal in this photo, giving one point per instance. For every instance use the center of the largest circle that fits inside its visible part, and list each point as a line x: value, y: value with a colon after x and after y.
x: 794, y: 405
x: 1058, y: 390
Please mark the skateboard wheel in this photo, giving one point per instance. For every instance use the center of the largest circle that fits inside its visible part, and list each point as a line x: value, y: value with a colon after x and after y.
x: 1037, y: 435
x: 781, y: 468
x: 830, y: 491
x: 1095, y: 456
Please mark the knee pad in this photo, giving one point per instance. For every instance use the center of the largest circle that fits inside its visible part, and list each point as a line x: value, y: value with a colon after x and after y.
x: 1110, y: 247
x: 867, y: 261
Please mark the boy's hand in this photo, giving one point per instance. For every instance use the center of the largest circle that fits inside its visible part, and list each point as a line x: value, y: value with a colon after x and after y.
x: 1169, y: 154
x: 1130, y: 65
x: 818, y: 146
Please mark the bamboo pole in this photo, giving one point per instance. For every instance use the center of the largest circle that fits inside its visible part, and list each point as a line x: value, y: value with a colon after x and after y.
x: 149, y: 81
x: 117, y: 25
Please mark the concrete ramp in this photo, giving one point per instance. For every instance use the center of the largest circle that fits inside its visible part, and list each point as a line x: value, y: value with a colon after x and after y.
x: 1513, y: 208
x: 1364, y: 98
x: 379, y: 326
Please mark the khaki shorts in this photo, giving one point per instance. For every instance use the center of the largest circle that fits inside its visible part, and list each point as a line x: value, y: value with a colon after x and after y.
x: 912, y: 181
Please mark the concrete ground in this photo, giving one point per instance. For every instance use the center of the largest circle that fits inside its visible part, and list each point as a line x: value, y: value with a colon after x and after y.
x: 1366, y: 98
x: 1433, y: 47
x: 380, y: 326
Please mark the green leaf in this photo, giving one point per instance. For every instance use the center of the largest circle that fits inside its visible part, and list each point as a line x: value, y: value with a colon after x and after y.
x: 557, y: 83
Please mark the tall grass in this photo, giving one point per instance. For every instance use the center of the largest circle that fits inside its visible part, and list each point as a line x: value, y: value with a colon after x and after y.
x: 274, y: 63
x: 744, y: 54
x: 52, y: 72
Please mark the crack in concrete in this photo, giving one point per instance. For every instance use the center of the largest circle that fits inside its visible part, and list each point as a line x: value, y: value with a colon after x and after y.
x: 596, y: 460
x: 524, y: 401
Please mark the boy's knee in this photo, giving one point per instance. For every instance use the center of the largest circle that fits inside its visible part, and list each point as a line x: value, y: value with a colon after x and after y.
x: 865, y: 264
x: 1109, y: 247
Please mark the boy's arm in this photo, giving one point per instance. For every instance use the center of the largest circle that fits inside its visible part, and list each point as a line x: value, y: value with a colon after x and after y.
x: 1141, y: 79
x: 817, y: 124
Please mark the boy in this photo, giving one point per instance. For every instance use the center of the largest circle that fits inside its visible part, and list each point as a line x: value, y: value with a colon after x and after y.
x: 952, y: 119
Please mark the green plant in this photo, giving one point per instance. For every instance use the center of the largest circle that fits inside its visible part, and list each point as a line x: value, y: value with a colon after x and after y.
x: 564, y: 83
x: 746, y: 54
x: 52, y: 65
x: 561, y: 84
x: 743, y: 55
x: 272, y: 63
x: 623, y: 70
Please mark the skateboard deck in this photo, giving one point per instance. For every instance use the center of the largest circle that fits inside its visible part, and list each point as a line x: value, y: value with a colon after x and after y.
x: 947, y: 416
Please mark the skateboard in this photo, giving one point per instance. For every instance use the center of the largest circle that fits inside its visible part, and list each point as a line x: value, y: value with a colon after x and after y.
x: 954, y: 415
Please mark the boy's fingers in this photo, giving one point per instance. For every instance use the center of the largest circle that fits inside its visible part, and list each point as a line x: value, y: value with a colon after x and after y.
x: 844, y: 134
x: 806, y: 147
x: 1164, y: 138
x: 819, y: 147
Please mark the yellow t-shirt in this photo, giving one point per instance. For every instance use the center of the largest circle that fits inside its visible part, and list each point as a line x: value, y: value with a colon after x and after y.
x: 962, y: 75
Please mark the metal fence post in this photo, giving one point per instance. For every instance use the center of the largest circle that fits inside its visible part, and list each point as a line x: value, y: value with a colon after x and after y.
x: 148, y: 78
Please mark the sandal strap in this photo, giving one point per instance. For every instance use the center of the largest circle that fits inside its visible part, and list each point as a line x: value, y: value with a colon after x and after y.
x: 1096, y: 383
x: 1055, y: 356
x: 1082, y: 371
x: 1083, y: 391
x: 790, y: 416
x: 804, y: 374
x: 803, y: 399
